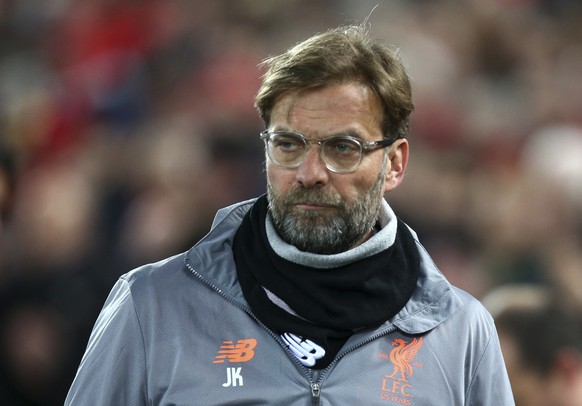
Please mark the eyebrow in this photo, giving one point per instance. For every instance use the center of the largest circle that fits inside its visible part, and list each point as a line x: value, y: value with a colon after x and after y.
x: 350, y: 132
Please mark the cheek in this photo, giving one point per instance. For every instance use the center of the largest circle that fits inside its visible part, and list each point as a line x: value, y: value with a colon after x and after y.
x: 365, y: 182
x: 353, y: 189
x: 279, y: 179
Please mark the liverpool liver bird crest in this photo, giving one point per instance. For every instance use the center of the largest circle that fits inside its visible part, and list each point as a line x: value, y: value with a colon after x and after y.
x: 402, y: 356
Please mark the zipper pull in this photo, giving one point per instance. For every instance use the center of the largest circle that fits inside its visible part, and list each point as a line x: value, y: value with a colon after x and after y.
x: 315, y: 392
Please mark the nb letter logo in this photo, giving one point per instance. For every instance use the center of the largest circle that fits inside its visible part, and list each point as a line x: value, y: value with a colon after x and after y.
x: 242, y: 351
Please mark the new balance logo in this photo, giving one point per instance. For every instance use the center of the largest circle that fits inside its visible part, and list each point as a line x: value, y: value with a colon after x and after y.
x: 305, y: 350
x: 242, y: 351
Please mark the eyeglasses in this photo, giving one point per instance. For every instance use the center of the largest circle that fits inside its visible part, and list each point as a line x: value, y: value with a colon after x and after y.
x: 340, y: 154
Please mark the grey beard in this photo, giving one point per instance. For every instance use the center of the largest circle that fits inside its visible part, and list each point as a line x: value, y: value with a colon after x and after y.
x: 325, y: 233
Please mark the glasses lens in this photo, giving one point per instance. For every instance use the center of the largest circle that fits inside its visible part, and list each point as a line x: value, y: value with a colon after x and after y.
x: 342, y: 154
x: 286, y: 149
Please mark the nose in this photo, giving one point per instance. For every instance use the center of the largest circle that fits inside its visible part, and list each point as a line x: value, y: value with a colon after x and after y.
x: 312, y: 172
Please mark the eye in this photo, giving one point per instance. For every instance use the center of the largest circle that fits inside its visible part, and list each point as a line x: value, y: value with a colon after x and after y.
x: 287, y: 143
x: 342, y: 147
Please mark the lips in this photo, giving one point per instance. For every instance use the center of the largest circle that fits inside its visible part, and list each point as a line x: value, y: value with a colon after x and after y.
x: 315, y: 205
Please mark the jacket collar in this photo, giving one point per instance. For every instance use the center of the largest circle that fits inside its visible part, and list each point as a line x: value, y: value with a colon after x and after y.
x: 432, y: 302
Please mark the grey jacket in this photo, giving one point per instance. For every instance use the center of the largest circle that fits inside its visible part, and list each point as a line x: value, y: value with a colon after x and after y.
x: 179, y: 332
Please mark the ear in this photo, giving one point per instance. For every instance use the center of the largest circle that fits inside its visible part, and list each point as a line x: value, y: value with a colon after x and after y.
x: 396, y: 165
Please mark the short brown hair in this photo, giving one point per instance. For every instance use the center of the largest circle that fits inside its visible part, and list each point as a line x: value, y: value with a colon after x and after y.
x: 341, y: 55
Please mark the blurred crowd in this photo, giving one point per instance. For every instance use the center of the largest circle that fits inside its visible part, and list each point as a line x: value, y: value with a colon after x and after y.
x: 125, y: 124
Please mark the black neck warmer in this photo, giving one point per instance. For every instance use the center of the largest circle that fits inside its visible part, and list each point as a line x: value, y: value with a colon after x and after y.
x: 331, y: 303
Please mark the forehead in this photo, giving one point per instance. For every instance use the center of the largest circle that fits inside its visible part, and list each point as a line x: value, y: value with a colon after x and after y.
x: 350, y: 107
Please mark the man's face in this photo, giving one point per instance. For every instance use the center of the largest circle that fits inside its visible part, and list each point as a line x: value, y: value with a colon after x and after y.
x: 313, y: 208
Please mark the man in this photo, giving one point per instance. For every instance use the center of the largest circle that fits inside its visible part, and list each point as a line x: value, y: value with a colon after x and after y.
x: 315, y: 294
x: 542, y: 344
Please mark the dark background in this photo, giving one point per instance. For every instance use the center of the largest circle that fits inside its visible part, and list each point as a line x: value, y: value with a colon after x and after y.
x: 125, y: 124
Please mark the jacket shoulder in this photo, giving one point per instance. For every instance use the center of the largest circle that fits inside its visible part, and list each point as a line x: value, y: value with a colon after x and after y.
x: 151, y: 270
x: 155, y: 276
x: 474, y: 311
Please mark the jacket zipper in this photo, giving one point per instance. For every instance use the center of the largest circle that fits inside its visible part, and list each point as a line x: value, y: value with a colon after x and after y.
x: 315, y: 384
x: 315, y: 387
x: 315, y: 378
x: 315, y: 393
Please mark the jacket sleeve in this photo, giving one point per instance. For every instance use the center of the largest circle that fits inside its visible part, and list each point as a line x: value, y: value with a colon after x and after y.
x: 113, y: 368
x: 489, y: 383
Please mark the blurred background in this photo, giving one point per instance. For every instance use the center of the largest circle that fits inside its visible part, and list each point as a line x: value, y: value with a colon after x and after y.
x: 125, y: 124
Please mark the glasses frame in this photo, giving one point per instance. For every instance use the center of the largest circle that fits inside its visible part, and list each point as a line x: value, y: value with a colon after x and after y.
x: 364, y: 147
